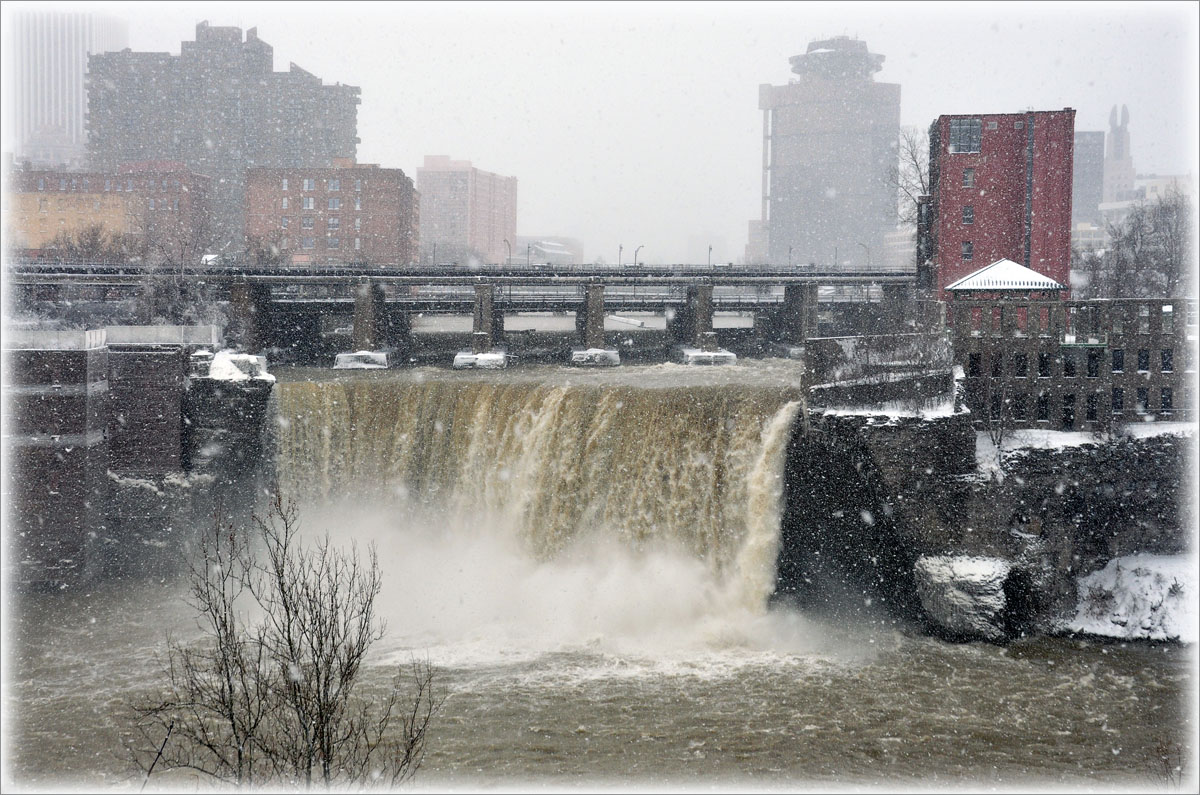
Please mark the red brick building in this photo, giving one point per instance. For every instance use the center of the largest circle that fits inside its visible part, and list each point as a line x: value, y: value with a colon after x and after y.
x: 1000, y: 188
x: 161, y: 206
x: 348, y: 214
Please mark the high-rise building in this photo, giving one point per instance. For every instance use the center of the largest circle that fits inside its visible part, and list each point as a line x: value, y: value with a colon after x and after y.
x: 1087, y: 183
x: 219, y: 108
x: 829, y: 150
x: 1000, y: 188
x: 1119, y: 172
x: 351, y: 214
x: 466, y: 214
x: 49, y: 61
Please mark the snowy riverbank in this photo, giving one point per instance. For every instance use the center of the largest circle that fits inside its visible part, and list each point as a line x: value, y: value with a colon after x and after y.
x: 1140, y: 597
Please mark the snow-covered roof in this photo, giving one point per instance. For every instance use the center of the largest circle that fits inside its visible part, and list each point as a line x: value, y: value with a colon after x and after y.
x: 1004, y: 274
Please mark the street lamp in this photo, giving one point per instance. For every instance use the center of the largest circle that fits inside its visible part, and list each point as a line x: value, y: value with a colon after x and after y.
x: 620, y: 249
x: 528, y: 251
x: 635, y: 253
x: 710, y: 255
x: 868, y: 250
x: 509, y: 260
x: 789, y: 256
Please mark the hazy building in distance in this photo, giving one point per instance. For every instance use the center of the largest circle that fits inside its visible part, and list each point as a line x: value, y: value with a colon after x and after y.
x: 829, y: 148
x: 1000, y: 188
x: 162, y: 206
x: 348, y: 214
x: 219, y: 108
x: 47, y: 63
x: 466, y: 213
x: 1087, y: 183
x: 1119, y: 172
x: 547, y: 249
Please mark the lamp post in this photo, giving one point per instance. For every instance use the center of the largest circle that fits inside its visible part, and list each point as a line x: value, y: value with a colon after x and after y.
x: 710, y: 255
x: 868, y: 250
x: 789, y: 256
x: 635, y: 253
x: 528, y: 251
x: 620, y: 250
x: 509, y: 260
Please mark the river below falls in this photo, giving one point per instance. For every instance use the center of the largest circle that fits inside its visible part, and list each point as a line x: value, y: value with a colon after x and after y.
x: 790, y: 702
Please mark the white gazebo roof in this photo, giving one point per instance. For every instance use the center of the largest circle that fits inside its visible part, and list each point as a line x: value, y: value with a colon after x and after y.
x: 1004, y: 274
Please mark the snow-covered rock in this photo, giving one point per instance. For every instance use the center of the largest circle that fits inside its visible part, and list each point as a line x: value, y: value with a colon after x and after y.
x: 688, y: 355
x: 230, y: 366
x: 1151, y: 597
x: 361, y: 360
x: 601, y: 357
x: 963, y: 594
x: 493, y: 360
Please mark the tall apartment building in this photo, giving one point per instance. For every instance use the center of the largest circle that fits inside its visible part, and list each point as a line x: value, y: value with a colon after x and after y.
x: 466, y: 213
x: 348, y: 214
x: 162, y: 206
x: 1000, y: 188
x: 829, y: 147
x: 1087, y: 181
x: 219, y: 108
x: 48, y: 62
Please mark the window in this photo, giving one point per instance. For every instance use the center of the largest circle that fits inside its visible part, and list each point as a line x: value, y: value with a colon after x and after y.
x: 357, y: 243
x: 1068, y: 360
x: 129, y: 185
x: 175, y: 204
x: 968, y: 177
x: 1118, y: 400
x: 1168, y: 360
x: 107, y: 184
x: 968, y: 250
x: 997, y: 364
x: 1043, y: 365
x: 358, y: 202
x: 306, y: 222
x: 333, y: 242
x: 968, y: 214
x: 42, y: 183
x: 1093, y: 364
x: 973, y: 365
x: 1143, y: 361
x: 307, y: 242
x: 152, y: 204
x: 1019, y: 406
x: 994, y: 412
x: 1043, y: 407
x: 358, y: 223
x: 1068, y: 412
x: 283, y: 184
x: 965, y: 135
x: 43, y: 205
x: 1118, y: 360
x: 308, y: 203
x: 1018, y: 125
x: 1143, y: 400
x: 284, y: 205
x: 62, y: 184
x: 1091, y: 407
x: 1168, y: 318
x: 284, y: 221
x: 358, y: 184
x: 162, y: 188
x: 310, y: 184
x: 335, y: 184
x: 1020, y: 363
x: 991, y: 125
x: 333, y: 223
x: 1143, y: 319
x: 335, y: 204
x: 1166, y: 400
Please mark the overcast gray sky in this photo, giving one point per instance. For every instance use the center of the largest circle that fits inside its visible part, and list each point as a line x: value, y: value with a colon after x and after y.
x: 638, y: 124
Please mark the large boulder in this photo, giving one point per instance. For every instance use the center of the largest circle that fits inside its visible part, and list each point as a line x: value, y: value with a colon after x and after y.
x: 964, y: 595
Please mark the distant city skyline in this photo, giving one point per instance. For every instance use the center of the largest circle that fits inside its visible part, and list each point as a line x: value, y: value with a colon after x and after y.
x: 637, y: 124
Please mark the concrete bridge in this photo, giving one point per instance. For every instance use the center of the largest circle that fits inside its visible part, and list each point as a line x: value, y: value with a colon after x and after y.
x: 269, y: 302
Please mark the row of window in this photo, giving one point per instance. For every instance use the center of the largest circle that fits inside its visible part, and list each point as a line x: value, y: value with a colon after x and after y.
x: 308, y: 222
x: 1018, y: 405
x: 1084, y: 319
x: 310, y: 203
x: 114, y: 185
x: 330, y: 242
x: 966, y: 134
x: 1020, y: 363
x: 330, y: 184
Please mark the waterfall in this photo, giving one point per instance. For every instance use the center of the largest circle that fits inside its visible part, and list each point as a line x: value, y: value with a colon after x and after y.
x: 697, y: 467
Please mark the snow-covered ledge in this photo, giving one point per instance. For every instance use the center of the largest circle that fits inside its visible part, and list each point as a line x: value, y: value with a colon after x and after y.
x: 361, y: 360
x: 688, y: 355
x: 595, y: 357
x: 492, y: 360
x: 1139, y: 597
x: 964, y: 595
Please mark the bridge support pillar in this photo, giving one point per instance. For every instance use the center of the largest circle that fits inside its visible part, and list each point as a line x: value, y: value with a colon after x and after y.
x: 589, y: 318
x: 488, y: 325
x: 369, y: 317
x: 798, y: 318
x: 250, y: 321
x: 700, y: 298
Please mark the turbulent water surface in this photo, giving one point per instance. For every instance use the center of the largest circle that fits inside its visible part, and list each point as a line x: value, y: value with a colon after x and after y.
x: 586, y: 558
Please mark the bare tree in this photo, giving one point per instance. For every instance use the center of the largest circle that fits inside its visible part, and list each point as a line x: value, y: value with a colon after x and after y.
x: 271, y: 694
x: 911, y: 173
x: 260, y: 251
x: 94, y: 245
x: 1148, y: 253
